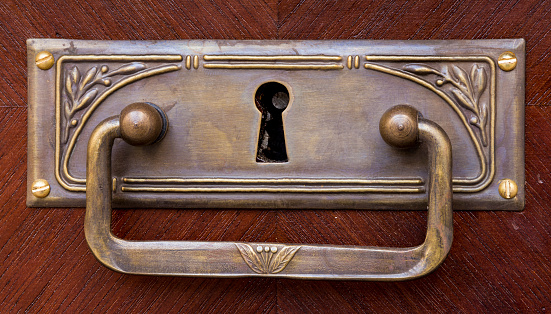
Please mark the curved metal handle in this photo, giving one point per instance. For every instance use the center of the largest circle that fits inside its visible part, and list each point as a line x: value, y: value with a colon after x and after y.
x: 400, y: 126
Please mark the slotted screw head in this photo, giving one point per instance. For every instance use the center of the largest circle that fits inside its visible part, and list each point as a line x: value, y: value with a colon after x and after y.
x: 40, y: 188
x: 44, y: 60
x: 508, y: 188
x: 507, y: 61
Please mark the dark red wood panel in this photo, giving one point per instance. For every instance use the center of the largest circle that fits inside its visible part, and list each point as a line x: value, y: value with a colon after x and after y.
x: 499, y: 262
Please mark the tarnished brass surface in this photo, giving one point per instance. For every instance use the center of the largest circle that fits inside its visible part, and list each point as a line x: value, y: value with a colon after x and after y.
x: 227, y: 259
x: 278, y: 124
x: 399, y: 126
x: 143, y: 124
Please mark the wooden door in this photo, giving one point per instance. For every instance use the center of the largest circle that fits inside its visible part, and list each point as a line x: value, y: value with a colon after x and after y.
x: 499, y: 261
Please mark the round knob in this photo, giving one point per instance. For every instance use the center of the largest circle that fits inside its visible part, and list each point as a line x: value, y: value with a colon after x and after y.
x: 399, y: 126
x: 142, y: 124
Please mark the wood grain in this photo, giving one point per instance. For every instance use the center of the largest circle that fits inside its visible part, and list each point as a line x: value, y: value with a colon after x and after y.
x: 499, y: 262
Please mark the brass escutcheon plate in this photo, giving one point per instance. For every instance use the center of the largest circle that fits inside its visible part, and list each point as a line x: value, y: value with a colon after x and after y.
x: 278, y: 124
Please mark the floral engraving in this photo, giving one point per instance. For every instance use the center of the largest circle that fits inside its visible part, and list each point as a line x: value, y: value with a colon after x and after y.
x: 266, y: 259
x: 80, y: 92
x: 466, y: 89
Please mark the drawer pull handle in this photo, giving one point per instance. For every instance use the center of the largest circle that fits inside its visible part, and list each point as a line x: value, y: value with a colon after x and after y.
x: 144, y: 123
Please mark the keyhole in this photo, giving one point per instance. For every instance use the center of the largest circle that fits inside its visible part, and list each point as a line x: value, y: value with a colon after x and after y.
x: 271, y: 99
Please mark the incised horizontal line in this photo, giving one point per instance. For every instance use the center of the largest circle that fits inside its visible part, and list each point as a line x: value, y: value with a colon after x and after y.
x: 273, y: 66
x: 286, y: 58
x: 385, y: 181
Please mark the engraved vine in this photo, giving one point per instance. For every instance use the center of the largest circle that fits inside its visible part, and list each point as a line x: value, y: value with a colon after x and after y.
x: 466, y: 89
x: 267, y: 260
x: 80, y: 91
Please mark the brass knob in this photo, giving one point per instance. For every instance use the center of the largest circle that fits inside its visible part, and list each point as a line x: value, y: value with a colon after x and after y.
x: 142, y: 124
x: 399, y: 126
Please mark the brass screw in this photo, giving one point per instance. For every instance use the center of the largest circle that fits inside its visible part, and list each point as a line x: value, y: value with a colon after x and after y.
x: 507, y: 61
x: 41, y: 188
x: 44, y: 60
x: 507, y: 188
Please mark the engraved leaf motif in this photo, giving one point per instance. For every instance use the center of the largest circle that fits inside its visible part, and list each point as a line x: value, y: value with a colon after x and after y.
x: 483, y: 122
x: 282, y: 258
x: 86, y: 99
x: 67, y: 109
x: 90, y: 74
x: 484, y: 113
x: 460, y: 75
x: 69, y: 86
x: 128, y: 69
x: 420, y: 68
x: 75, y: 75
x: 463, y: 100
x: 71, y: 83
x: 478, y: 79
x: 466, y: 89
x: 250, y: 257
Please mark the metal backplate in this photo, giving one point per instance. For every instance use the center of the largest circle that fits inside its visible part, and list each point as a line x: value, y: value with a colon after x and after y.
x: 320, y: 147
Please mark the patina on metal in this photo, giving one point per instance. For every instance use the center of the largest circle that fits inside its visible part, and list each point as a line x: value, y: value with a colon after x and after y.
x: 400, y: 126
x: 278, y: 124
x: 143, y: 124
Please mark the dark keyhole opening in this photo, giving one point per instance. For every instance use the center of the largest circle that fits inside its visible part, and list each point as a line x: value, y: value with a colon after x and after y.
x: 271, y: 99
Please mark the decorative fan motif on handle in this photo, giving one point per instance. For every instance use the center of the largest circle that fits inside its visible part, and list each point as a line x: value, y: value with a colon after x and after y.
x: 267, y: 259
